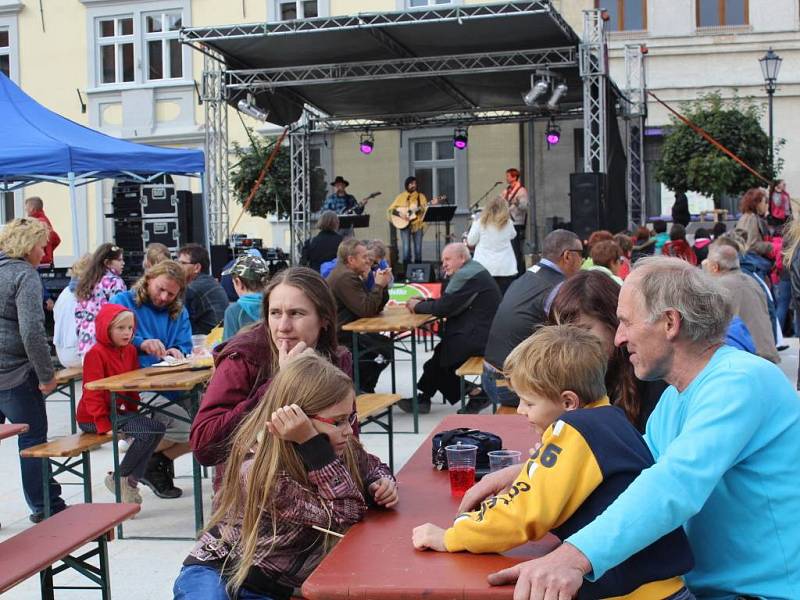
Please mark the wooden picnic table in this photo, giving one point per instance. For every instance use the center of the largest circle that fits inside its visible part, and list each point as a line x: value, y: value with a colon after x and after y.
x: 376, y: 558
x: 8, y: 430
x: 158, y: 380
x: 397, y: 321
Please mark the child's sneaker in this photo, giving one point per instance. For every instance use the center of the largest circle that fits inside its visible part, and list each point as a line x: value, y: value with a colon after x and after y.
x: 129, y: 493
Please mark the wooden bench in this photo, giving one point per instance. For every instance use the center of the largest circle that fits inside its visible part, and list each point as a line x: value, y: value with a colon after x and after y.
x: 65, y: 385
x: 38, y: 548
x: 472, y: 367
x: 68, y: 454
x: 371, y: 408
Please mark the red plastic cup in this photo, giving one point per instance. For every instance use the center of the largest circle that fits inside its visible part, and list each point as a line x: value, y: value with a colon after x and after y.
x: 461, y: 466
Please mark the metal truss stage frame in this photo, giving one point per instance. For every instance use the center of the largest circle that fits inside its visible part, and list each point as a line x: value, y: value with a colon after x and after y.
x: 222, y: 84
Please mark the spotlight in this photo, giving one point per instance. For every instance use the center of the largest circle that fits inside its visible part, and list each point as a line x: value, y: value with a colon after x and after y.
x: 537, y: 90
x: 558, y: 92
x: 460, y: 138
x: 252, y: 111
x: 553, y: 133
x: 367, y: 143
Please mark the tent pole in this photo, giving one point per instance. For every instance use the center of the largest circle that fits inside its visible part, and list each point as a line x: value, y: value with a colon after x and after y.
x: 73, y: 201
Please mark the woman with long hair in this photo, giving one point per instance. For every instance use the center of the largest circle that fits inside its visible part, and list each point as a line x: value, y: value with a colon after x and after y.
x: 589, y: 299
x: 491, y: 237
x: 780, y: 204
x: 99, y: 283
x: 299, y: 313
x: 294, y: 465
x: 753, y: 222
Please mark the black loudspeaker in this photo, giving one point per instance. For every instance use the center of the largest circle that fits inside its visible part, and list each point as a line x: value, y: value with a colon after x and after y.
x: 419, y: 272
x: 587, y: 202
x: 221, y: 255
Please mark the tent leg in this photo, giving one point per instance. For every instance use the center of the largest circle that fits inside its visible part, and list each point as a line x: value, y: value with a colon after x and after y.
x: 73, y: 202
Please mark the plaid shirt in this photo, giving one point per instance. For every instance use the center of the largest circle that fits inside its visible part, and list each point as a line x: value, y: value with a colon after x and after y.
x: 341, y: 204
x: 333, y: 501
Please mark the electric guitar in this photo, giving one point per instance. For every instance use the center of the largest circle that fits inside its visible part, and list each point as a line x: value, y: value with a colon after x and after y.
x: 361, y: 204
x: 401, y: 217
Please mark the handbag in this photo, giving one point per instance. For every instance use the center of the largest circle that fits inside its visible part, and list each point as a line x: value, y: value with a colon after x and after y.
x: 485, y: 441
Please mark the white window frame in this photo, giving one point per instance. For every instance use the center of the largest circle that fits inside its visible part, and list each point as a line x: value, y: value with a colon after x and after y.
x: 164, y: 36
x: 274, y: 12
x: 406, y: 5
x: 459, y: 162
x: 8, y: 22
x: 98, y: 10
x: 118, y: 41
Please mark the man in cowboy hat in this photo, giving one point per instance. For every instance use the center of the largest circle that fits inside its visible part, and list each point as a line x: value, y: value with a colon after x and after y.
x: 340, y: 201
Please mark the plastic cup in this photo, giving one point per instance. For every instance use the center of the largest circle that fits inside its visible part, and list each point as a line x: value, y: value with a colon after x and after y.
x: 199, y: 348
x: 461, y: 466
x: 500, y: 459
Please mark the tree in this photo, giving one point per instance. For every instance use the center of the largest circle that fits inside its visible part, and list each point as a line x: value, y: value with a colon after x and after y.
x: 274, y: 196
x: 691, y: 163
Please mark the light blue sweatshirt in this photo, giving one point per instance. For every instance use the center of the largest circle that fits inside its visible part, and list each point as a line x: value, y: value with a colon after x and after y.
x: 246, y: 310
x: 727, y: 453
x: 155, y: 323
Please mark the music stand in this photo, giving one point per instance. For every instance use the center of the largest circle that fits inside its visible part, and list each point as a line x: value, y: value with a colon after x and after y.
x: 349, y: 222
x: 440, y: 213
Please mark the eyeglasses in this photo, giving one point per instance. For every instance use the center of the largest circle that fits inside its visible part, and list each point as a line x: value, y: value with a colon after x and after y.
x: 185, y: 262
x: 338, y: 423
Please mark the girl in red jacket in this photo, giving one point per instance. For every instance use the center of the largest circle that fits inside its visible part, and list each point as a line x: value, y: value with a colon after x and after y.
x: 111, y: 355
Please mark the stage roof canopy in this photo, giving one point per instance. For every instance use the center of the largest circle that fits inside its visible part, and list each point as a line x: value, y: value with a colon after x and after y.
x: 383, y: 66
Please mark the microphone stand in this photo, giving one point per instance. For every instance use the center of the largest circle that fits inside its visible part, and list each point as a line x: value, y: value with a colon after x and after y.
x: 474, y: 207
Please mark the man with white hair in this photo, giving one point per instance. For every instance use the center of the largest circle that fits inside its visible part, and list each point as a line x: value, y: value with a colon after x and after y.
x: 747, y: 299
x: 469, y: 303
x: 724, y: 438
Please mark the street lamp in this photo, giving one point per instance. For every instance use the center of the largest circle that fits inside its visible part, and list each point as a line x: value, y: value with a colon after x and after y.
x: 770, y: 67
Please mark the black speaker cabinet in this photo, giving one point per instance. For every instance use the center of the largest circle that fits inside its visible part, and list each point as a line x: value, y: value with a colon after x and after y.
x: 587, y: 202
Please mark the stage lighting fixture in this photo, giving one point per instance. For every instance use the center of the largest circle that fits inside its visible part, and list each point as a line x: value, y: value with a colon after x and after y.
x: 367, y: 143
x: 460, y: 138
x: 553, y: 133
x: 558, y: 92
x: 537, y: 91
x: 252, y: 111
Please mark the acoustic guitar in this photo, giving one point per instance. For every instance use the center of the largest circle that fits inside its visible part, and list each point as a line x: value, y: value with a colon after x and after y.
x: 401, y: 217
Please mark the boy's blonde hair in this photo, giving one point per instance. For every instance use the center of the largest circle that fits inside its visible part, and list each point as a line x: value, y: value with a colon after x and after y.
x: 559, y: 358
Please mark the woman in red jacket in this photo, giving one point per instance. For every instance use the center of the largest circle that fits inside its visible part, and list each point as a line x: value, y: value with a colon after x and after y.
x: 111, y: 355
x: 299, y: 312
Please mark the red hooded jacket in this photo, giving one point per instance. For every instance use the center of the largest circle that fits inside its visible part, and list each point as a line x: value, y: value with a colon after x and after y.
x: 105, y: 360
x: 53, y: 239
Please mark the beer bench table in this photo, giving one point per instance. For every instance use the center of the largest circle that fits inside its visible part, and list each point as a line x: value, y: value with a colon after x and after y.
x: 376, y: 559
x: 65, y: 385
x: 61, y: 454
x: 398, y: 323
x: 159, y: 380
x: 38, y: 548
x: 8, y: 430
x: 371, y: 408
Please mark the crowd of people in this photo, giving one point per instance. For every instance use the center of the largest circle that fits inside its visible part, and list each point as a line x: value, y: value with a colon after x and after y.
x: 643, y: 361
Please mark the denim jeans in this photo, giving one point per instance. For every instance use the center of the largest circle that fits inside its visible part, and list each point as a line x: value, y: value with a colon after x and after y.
x: 499, y: 396
x: 25, y: 404
x: 196, y: 582
x: 406, y: 235
x: 783, y: 298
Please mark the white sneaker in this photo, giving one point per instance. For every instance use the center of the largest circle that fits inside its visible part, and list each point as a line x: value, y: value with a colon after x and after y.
x: 123, y: 445
x: 129, y: 493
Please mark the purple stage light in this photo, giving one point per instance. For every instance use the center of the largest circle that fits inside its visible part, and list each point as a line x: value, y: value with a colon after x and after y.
x: 367, y: 147
x: 553, y: 138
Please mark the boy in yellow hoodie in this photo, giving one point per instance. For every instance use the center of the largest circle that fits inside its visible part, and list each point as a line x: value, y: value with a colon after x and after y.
x: 589, y: 454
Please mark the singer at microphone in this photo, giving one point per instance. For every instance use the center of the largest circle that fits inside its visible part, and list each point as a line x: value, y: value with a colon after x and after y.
x: 517, y: 197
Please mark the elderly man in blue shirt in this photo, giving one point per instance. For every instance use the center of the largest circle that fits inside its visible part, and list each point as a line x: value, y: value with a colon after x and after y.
x: 724, y: 437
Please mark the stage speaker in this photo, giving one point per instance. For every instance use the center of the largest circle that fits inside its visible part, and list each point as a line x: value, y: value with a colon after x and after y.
x: 220, y: 256
x: 587, y: 202
x: 420, y: 273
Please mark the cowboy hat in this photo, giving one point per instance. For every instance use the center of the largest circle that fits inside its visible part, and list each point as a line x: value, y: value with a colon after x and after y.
x: 340, y: 179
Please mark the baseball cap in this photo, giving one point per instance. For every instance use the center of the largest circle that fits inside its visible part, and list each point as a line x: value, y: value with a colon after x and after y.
x: 248, y: 267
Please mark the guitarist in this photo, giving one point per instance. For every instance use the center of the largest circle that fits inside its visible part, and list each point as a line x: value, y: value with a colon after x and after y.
x: 406, y: 213
x: 340, y: 201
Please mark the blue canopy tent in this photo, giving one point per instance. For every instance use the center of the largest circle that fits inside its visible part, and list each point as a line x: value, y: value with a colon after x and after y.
x: 39, y: 145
